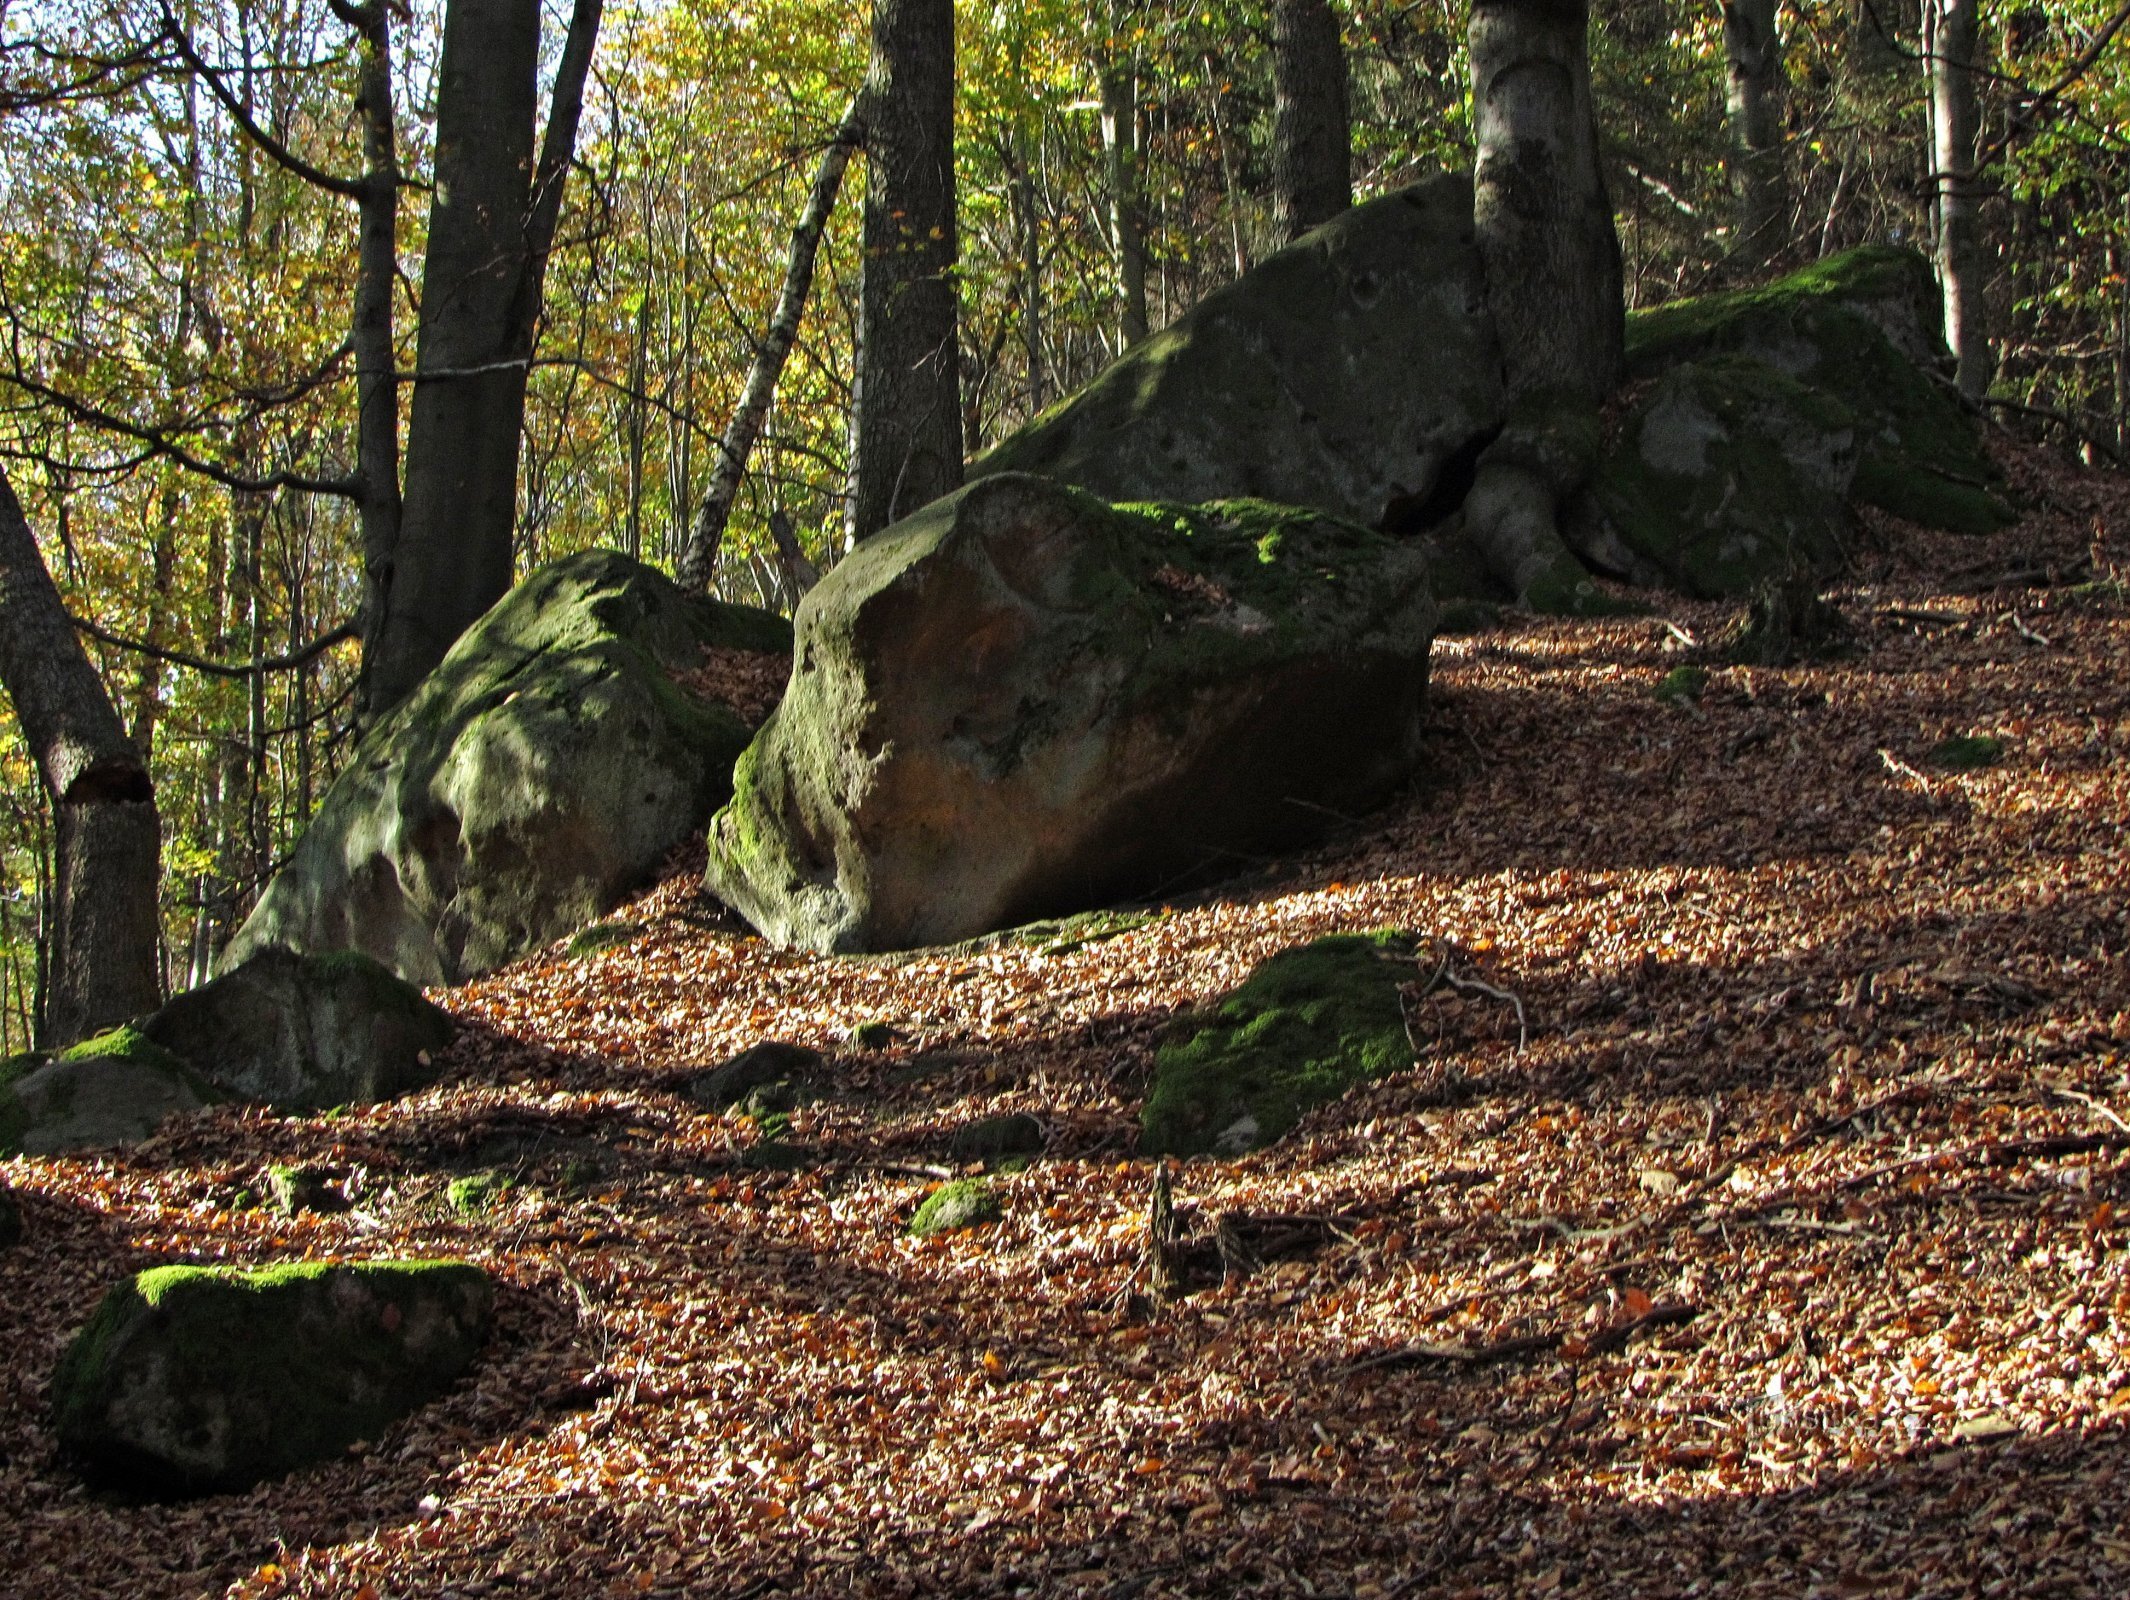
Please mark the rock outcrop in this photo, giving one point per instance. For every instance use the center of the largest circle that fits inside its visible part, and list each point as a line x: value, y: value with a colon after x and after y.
x: 1022, y: 701
x: 543, y: 771
x: 302, y: 1033
x: 195, y: 1380
x: 1355, y: 371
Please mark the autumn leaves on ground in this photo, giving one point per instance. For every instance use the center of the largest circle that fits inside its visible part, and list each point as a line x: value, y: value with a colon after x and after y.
x: 1783, y: 1256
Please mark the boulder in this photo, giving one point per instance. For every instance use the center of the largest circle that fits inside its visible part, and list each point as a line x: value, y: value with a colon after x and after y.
x: 1815, y: 389
x: 302, y: 1033
x: 956, y: 1206
x: 1305, y: 1026
x: 114, y: 1089
x: 1022, y: 701
x: 770, y: 1076
x: 195, y: 1380
x: 539, y: 774
x: 1355, y: 371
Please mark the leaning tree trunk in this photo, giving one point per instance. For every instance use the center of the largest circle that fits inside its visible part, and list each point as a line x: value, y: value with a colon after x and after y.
x: 698, y: 563
x: 907, y: 425
x: 1955, y: 122
x: 1552, y: 263
x: 1312, y: 179
x: 1753, y: 55
x: 103, y: 962
x: 491, y: 228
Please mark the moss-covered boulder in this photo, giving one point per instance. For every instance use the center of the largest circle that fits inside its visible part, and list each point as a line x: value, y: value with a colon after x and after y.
x: 1355, y: 371
x: 539, y: 774
x: 114, y: 1089
x: 1023, y: 701
x: 1764, y: 415
x: 194, y: 1380
x: 953, y: 1207
x: 1303, y: 1028
x: 302, y: 1033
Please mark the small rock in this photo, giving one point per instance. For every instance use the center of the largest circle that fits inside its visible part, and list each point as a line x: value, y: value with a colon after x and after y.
x: 964, y: 1203
x: 874, y: 1035
x: 989, y: 1138
x: 758, y: 1070
x: 198, y: 1380
x: 477, y: 1192
x: 1967, y: 752
x: 294, y: 1189
x: 114, y: 1089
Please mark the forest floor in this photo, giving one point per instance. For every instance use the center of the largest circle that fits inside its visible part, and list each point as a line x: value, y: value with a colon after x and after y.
x: 1786, y: 1256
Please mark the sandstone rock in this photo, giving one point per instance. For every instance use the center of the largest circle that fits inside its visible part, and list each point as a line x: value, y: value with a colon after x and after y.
x: 541, y: 773
x: 1022, y: 701
x: 114, y: 1089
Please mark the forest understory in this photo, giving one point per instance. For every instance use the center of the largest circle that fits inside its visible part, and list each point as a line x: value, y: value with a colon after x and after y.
x: 1753, y: 1222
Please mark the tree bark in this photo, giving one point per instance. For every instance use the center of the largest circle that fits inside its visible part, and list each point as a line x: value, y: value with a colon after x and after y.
x: 1544, y: 222
x: 491, y: 229
x: 1753, y: 57
x: 907, y: 429
x: 105, y: 930
x: 699, y: 562
x: 1955, y: 121
x: 1312, y: 179
x: 1127, y: 225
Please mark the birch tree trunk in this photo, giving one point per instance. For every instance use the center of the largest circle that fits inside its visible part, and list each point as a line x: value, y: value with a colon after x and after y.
x: 1127, y: 220
x: 907, y: 421
x: 104, y: 938
x: 1754, y: 102
x: 1312, y: 178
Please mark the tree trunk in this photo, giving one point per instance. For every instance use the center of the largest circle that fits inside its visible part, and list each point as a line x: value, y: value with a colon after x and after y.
x: 1753, y: 56
x: 907, y: 430
x: 1955, y: 121
x: 105, y: 932
x: 491, y: 228
x: 1544, y: 223
x: 1127, y: 224
x: 1311, y: 166
x: 698, y: 564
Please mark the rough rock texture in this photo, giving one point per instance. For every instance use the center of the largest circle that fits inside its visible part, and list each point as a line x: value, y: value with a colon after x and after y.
x: 538, y: 775
x: 192, y: 1380
x: 110, y: 1090
x: 1302, y: 1029
x: 1022, y: 701
x: 1356, y: 371
x: 302, y: 1033
x: 1766, y: 414
x: 964, y: 1203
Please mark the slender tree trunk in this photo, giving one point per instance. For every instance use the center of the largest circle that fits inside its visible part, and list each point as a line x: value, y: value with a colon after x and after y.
x: 1955, y: 121
x: 1127, y: 220
x: 1753, y: 57
x: 638, y: 420
x: 698, y: 564
x: 105, y: 929
x: 908, y: 431
x: 1539, y: 206
x: 491, y: 229
x: 1028, y: 217
x: 1312, y: 180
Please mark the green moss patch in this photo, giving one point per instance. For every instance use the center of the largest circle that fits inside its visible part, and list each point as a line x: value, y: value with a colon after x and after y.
x: 964, y: 1203
x: 601, y: 937
x: 1683, y: 684
x: 1306, y: 1026
x: 1966, y: 752
x: 478, y: 1192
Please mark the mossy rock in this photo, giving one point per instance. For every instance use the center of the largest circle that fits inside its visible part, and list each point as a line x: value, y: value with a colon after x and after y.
x: 1303, y: 1028
x: 1966, y: 752
x: 601, y: 937
x: 306, y: 1032
x: 477, y: 1192
x: 1022, y: 702
x: 113, y: 1089
x: 539, y: 775
x: 1787, y: 622
x: 197, y: 1380
x: 295, y: 1190
x: 769, y: 1076
x: 952, y: 1207
x: 1683, y: 685
x: 1861, y: 329
x: 1356, y: 372
x: 998, y: 1138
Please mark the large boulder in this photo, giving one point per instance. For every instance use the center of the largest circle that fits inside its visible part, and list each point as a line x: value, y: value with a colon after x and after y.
x: 302, y: 1033
x: 1355, y: 371
x: 1022, y: 701
x: 1758, y: 419
x: 542, y: 772
x: 194, y: 1380
x: 114, y: 1089
x: 1305, y: 1026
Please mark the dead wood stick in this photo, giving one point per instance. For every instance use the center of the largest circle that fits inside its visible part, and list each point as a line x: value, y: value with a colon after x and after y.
x: 1603, y: 1342
x: 2019, y: 627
